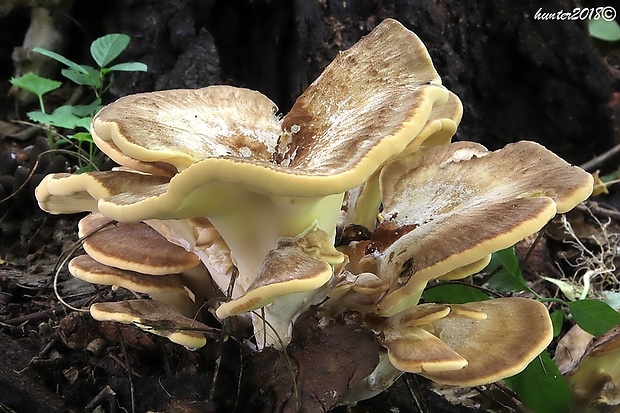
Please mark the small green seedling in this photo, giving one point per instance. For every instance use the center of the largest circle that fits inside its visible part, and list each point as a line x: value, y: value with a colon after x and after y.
x: 103, y: 50
x: 36, y: 84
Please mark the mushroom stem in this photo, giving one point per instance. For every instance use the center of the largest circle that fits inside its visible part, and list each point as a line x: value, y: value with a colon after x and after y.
x: 252, y: 230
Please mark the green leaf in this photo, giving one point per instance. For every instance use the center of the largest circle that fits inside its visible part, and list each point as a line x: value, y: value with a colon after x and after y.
x: 508, y: 277
x: 35, y: 84
x: 128, y: 67
x: 557, y: 320
x: 107, y: 48
x: 89, y: 110
x: 541, y: 386
x: 89, y: 76
x: 594, y: 316
x: 453, y: 294
x: 60, y: 58
x: 63, y: 117
x: 602, y: 29
x: 78, y: 78
x: 570, y: 290
x: 82, y: 137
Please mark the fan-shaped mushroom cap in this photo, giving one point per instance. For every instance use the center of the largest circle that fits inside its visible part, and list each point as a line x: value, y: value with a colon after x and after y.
x: 465, y: 345
x: 412, y: 348
x: 156, y: 318
x: 86, y: 268
x: 168, y: 289
x: 341, y: 128
x: 63, y: 193
x: 450, y: 206
x: 133, y: 246
x: 181, y: 127
x: 289, y: 281
x: 285, y: 271
x: 415, y: 341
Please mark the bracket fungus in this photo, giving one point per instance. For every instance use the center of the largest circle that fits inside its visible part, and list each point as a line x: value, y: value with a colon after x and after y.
x: 155, y: 317
x: 136, y: 257
x: 257, y: 198
x: 435, y: 200
x: 456, y: 344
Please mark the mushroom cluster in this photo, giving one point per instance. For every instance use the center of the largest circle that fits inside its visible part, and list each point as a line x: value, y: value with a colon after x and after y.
x: 353, y: 201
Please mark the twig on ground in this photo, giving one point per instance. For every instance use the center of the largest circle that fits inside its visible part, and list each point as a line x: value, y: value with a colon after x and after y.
x: 220, y: 350
x: 600, y: 160
x: 413, y: 393
x: 124, y: 365
x: 45, y: 314
x: 599, y: 210
x: 130, y: 373
x: 106, y: 394
x: 49, y: 346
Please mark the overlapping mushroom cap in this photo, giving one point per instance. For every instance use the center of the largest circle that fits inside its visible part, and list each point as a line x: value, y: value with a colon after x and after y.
x: 218, y: 172
x: 152, y: 316
x: 135, y: 257
x: 254, y: 176
x: 459, y: 344
x: 446, y: 208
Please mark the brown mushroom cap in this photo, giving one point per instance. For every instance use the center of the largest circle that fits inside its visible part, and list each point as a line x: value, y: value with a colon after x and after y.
x: 375, y: 91
x: 156, y: 318
x: 335, y: 126
x: 87, y: 269
x: 513, y: 333
x: 181, y: 127
x: 450, y: 206
x: 296, y: 265
x: 226, y: 140
x: 66, y: 194
x: 284, y: 272
x: 467, y: 344
x: 168, y: 289
x: 415, y: 350
x: 134, y: 247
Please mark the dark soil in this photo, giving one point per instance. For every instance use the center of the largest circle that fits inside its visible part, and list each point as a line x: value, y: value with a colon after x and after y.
x: 519, y: 78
